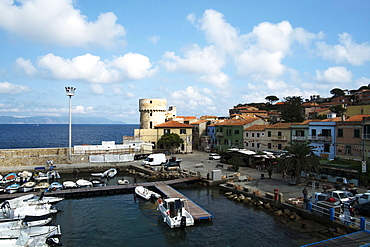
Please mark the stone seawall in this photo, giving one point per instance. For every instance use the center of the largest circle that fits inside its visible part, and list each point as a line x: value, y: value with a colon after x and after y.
x: 14, y: 158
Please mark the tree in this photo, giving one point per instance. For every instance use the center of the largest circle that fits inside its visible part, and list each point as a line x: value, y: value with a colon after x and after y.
x: 300, y: 158
x: 292, y: 111
x: 271, y: 99
x: 170, y: 141
x: 337, y: 92
x: 338, y: 109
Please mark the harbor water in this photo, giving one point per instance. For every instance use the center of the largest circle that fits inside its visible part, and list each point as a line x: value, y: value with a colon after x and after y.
x: 124, y: 220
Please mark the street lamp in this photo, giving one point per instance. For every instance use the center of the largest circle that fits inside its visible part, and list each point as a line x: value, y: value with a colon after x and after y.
x: 70, y: 91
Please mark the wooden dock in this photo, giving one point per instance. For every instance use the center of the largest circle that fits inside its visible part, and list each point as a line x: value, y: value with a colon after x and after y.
x: 196, y: 211
x: 99, y: 191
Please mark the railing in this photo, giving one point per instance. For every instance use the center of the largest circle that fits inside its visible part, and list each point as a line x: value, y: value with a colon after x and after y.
x: 279, y: 138
x: 299, y: 138
x: 319, y: 138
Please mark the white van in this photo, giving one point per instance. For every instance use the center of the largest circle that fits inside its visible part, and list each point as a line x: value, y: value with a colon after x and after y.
x: 155, y: 160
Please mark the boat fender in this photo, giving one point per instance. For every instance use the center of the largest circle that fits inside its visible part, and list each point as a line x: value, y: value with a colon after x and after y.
x: 160, y: 201
x: 183, y: 221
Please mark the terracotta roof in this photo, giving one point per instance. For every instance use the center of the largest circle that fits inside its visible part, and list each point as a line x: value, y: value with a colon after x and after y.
x: 172, y: 124
x: 280, y: 126
x: 280, y: 103
x: 357, y: 118
x: 335, y: 119
x: 198, y: 122
x: 257, y: 127
x: 238, y: 122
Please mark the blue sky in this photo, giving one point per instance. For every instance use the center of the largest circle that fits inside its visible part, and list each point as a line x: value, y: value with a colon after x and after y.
x: 202, y: 56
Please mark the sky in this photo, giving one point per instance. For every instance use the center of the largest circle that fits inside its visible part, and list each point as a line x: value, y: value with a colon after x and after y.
x: 204, y: 57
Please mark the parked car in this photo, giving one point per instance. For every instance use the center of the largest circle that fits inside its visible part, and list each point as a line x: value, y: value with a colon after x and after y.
x: 363, y: 209
x: 363, y: 198
x: 173, y: 165
x: 214, y: 156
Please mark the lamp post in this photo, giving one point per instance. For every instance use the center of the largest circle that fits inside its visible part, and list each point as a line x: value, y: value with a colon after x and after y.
x: 70, y: 91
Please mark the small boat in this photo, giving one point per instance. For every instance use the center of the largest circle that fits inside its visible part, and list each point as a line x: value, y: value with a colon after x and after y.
x: 24, y: 177
x: 8, y: 213
x: 174, y: 213
x: 48, y: 175
x: 26, y: 187
x: 30, y: 199
x: 146, y: 193
x: 69, y: 185
x: 83, y: 183
x: 9, y: 178
x: 35, y: 231
x: 55, y: 186
x: 110, y: 173
x: 123, y: 181
x: 13, y: 188
x: 27, y: 221
x: 42, y: 186
x: 25, y: 240
x: 98, y: 182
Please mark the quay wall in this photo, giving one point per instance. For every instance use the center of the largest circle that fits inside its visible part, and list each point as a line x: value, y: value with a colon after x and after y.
x: 14, y: 158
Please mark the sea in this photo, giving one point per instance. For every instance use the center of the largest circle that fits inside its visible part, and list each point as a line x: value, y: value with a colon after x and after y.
x: 125, y: 220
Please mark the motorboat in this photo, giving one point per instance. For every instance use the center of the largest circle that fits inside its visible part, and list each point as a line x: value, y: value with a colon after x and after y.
x: 110, y: 173
x: 83, y: 183
x: 123, y: 181
x: 98, y: 182
x: 69, y: 185
x: 27, y: 221
x: 146, y: 193
x: 174, y: 213
x: 55, y: 186
x: 34, y: 231
x: 42, y: 186
x: 46, y: 176
x: 31, y: 199
x: 25, y: 240
x: 11, y: 177
x: 28, y: 186
x: 9, y: 213
x: 13, y: 188
x: 24, y: 177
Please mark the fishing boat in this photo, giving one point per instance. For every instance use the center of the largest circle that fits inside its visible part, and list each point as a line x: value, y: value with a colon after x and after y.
x: 174, y: 213
x: 98, y: 182
x: 83, y: 183
x: 13, y: 188
x: 146, y: 193
x: 69, y: 185
x: 26, y: 187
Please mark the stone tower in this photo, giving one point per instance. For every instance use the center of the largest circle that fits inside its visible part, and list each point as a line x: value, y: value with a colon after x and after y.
x: 152, y: 112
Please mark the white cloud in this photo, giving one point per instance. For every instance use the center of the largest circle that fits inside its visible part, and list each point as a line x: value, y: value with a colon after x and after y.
x: 91, y: 68
x: 9, y: 88
x: 82, y: 110
x: 334, y: 75
x: 346, y: 52
x: 191, y: 98
x: 97, y: 89
x: 58, y: 22
x: 154, y: 39
x: 26, y: 66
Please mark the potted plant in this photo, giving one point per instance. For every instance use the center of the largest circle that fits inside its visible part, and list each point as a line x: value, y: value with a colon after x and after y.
x: 324, y: 178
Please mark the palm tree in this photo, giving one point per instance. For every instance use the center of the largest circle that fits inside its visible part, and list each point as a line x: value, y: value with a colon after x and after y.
x: 300, y: 158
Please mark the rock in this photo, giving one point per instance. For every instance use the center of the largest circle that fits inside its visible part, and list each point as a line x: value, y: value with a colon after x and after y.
x: 267, y: 205
x: 248, y: 199
x: 287, y: 212
x: 230, y: 197
x: 292, y: 217
x: 284, y: 221
x: 340, y: 231
x: 278, y: 212
x: 241, y: 197
x: 228, y: 193
x: 259, y: 203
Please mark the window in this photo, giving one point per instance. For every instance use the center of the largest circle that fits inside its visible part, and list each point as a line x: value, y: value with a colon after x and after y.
x: 246, y: 134
x: 246, y: 144
x: 356, y: 133
x: 269, y: 145
x: 326, y: 132
x: 262, y: 134
x: 258, y: 145
x: 279, y: 146
x: 313, y: 132
x: 348, y: 150
x: 340, y: 132
x: 150, y: 124
x: 326, y: 148
x: 279, y: 133
x: 268, y: 133
x: 167, y: 131
x: 182, y: 131
x: 236, y: 132
x: 258, y: 134
x: 252, y: 134
x: 252, y: 144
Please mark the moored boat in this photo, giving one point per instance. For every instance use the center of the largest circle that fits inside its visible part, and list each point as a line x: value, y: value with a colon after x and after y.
x: 35, y: 231
x: 26, y: 187
x: 110, y: 173
x: 42, y: 186
x: 13, y: 188
x: 174, y: 213
x: 55, y: 186
x: 69, y: 185
x: 146, y: 193
x: 98, y: 182
x: 9, y: 178
x: 123, y: 181
x: 83, y: 183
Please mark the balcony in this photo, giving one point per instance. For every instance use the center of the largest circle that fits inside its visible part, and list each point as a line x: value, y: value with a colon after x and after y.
x: 320, y: 138
x: 366, y: 136
x: 299, y: 138
x: 219, y: 134
x: 279, y: 138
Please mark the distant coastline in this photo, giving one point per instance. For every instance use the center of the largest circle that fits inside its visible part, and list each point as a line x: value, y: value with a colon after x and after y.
x: 56, y: 120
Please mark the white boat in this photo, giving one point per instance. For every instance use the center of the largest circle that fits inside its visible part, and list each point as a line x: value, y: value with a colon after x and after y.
x: 46, y: 176
x: 98, y: 182
x: 69, y: 185
x: 26, y: 187
x: 13, y: 188
x: 42, y: 186
x: 11, y: 177
x: 25, y: 240
x: 146, y: 193
x: 55, y: 186
x: 27, y: 221
x: 174, y: 213
x: 30, y: 199
x: 110, y: 173
x: 83, y: 183
x: 24, y: 177
x: 123, y: 181
x: 9, y: 213
x: 34, y: 231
